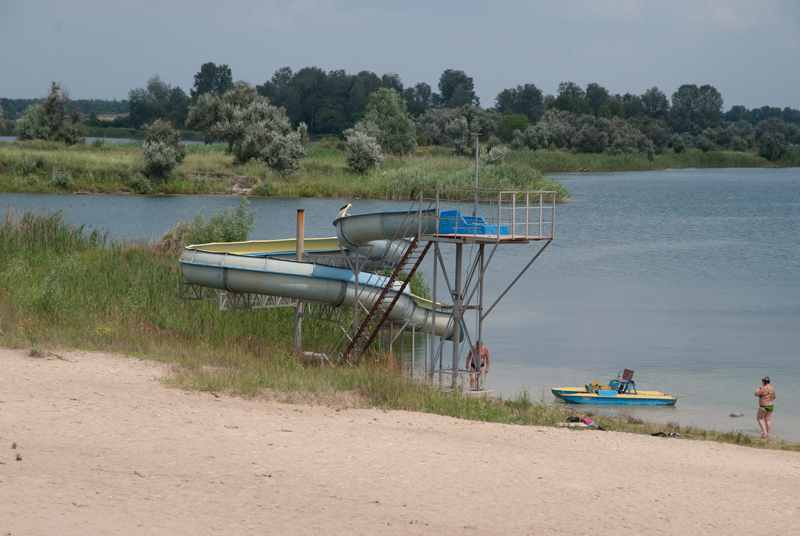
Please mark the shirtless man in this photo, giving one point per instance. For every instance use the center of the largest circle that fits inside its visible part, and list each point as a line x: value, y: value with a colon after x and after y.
x: 766, y: 399
x: 471, y: 364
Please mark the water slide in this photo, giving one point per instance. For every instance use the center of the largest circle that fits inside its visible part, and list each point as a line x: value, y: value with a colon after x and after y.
x: 269, y: 267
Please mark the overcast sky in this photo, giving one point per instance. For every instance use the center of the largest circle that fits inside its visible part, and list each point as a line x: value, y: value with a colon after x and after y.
x: 748, y: 50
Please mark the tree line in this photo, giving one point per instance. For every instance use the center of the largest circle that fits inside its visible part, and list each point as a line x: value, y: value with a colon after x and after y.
x: 580, y: 118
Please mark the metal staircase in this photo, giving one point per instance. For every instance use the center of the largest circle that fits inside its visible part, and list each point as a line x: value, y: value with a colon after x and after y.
x: 379, y: 313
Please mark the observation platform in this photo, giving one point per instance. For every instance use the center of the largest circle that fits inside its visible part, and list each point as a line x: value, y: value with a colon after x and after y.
x: 486, y: 216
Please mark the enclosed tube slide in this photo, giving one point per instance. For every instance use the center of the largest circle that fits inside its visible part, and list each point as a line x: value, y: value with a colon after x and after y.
x: 382, y: 235
x: 256, y: 267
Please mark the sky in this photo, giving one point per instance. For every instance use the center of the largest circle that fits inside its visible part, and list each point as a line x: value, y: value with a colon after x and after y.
x: 748, y: 50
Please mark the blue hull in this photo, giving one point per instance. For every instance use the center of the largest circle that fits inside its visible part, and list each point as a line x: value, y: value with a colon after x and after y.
x: 620, y: 400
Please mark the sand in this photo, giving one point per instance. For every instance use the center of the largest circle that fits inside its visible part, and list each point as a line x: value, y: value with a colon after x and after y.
x: 107, y: 448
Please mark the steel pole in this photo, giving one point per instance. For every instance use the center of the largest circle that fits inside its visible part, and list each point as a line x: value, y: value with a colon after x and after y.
x: 457, y: 314
x: 299, y: 247
x: 477, y: 147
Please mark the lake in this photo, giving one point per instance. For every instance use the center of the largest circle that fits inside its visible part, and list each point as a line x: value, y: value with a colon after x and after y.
x: 689, y: 277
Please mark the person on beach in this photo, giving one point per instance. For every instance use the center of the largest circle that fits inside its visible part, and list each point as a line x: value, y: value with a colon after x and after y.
x: 766, y: 399
x: 484, y: 363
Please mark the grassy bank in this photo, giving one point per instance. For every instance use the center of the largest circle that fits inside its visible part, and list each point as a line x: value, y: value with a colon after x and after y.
x: 63, y: 288
x: 134, y: 134
x: 27, y: 167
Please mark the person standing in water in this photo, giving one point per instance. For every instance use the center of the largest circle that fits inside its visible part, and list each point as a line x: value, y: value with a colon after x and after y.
x: 471, y: 362
x: 766, y: 400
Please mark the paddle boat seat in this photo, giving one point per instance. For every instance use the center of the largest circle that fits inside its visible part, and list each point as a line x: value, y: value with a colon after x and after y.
x: 624, y: 382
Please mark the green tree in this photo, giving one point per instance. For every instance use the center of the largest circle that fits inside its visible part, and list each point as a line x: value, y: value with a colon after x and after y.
x: 632, y: 104
x: 567, y: 103
x: 524, y: 99
x: 457, y: 89
x: 50, y: 120
x: 655, y: 103
x: 158, y: 100
x: 251, y: 127
x: 387, y: 109
x: 695, y: 109
x: 571, y: 89
x: 512, y: 122
x: 418, y: 98
x: 614, y: 108
x: 597, y: 96
x: 212, y: 78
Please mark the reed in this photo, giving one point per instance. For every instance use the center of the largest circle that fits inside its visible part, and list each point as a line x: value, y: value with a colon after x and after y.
x: 62, y: 287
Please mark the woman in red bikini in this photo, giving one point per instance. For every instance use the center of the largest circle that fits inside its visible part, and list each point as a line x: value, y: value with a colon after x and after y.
x: 766, y: 400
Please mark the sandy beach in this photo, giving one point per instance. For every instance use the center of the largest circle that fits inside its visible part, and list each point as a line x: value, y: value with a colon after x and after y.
x: 107, y: 448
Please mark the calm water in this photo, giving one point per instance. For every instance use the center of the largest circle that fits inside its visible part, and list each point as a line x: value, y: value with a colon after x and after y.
x: 689, y: 277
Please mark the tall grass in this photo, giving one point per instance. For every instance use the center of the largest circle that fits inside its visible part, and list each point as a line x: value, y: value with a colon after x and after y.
x: 108, y: 168
x: 61, y: 287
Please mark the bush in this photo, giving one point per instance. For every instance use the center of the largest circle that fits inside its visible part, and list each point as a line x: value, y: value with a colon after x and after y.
x: 677, y: 143
x: 512, y: 122
x: 163, y: 150
x: 228, y: 225
x: 141, y: 184
x: 61, y: 179
x: 705, y: 140
x: 50, y: 120
x: 495, y: 156
x: 263, y: 188
x: 363, y: 151
x: 160, y: 159
x: 772, y: 146
x: 434, y: 124
x: 456, y: 133
x: 30, y: 163
x: 251, y: 127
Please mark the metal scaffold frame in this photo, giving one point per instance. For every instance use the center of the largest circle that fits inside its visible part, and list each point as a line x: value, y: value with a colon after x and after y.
x: 498, y: 217
x: 437, y: 220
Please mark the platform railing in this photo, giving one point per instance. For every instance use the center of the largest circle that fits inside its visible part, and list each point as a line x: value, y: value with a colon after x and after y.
x: 490, y: 215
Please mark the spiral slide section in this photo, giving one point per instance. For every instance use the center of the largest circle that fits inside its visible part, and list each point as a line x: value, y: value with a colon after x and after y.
x: 256, y: 267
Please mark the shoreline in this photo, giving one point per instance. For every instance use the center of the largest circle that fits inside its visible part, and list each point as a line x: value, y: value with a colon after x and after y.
x: 106, y: 444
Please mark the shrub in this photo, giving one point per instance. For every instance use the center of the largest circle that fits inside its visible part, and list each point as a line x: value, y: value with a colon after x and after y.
x: 30, y: 163
x: 265, y: 187
x: 163, y: 150
x: 50, y: 120
x: 228, y: 225
x: 495, y: 156
x: 363, y: 151
x: 160, y: 159
x: 251, y: 127
x: 456, y: 133
x: 141, y: 184
x: 705, y: 140
x: 677, y: 143
x: 512, y: 122
x: 61, y: 179
x: 434, y: 123
x: 772, y: 146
